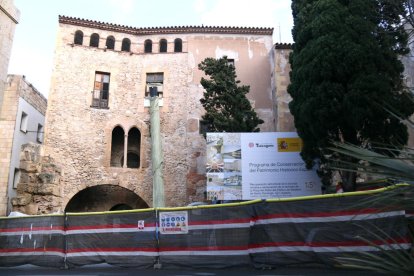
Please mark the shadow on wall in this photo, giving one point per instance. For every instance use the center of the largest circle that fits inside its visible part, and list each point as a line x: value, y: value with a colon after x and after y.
x: 105, y: 198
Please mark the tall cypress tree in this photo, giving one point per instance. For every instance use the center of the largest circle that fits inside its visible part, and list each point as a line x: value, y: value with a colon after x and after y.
x: 227, y: 107
x: 345, y: 69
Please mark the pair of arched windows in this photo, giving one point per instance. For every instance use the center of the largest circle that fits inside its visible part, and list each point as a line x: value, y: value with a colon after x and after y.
x: 128, y: 146
x: 110, y: 41
x: 163, y: 45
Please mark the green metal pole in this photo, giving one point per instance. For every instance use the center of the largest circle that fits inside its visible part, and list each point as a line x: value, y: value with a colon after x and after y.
x: 156, y: 155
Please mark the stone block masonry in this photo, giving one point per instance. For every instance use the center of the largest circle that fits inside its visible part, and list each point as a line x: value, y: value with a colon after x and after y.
x: 39, y: 190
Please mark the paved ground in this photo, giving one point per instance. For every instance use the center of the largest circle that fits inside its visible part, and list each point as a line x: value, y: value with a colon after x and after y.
x: 104, y: 270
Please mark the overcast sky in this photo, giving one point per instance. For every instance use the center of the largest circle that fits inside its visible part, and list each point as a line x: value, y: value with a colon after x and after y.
x: 35, y: 35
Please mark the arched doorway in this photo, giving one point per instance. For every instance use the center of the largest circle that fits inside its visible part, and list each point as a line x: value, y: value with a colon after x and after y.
x: 105, y: 198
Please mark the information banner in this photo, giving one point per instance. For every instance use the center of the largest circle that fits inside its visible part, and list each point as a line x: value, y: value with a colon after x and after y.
x: 244, y: 166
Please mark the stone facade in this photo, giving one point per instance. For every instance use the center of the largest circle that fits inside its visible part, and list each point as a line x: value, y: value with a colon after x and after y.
x: 285, y: 120
x: 9, y: 17
x: 19, y: 97
x: 39, y: 190
x: 81, y: 138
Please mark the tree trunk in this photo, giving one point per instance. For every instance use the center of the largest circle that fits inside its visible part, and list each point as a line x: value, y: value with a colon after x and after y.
x: 348, y: 181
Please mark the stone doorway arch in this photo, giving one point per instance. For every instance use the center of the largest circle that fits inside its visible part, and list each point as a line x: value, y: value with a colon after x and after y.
x: 104, y: 198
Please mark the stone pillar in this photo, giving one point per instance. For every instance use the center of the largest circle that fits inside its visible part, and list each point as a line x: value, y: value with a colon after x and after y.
x: 156, y: 154
x: 124, y: 165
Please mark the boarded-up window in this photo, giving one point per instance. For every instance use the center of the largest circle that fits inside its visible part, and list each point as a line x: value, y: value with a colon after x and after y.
x: 100, y: 93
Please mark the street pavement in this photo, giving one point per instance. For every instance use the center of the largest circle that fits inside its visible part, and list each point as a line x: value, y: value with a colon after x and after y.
x: 104, y: 270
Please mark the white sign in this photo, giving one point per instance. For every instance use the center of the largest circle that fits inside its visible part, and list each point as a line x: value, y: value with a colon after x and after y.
x: 174, y: 222
x: 243, y: 166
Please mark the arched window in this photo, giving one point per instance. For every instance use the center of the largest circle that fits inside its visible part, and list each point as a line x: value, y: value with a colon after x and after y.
x: 134, y: 148
x: 78, y: 40
x: 178, y: 45
x: 110, y: 42
x: 117, y: 147
x: 148, y: 46
x: 126, y: 45
x: 163, y: 46
x: 94, y: 40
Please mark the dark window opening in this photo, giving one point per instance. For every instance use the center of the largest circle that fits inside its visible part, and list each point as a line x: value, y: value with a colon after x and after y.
x: 148, y: 46
x: 110, y: 42
x: 120, y: 207
x: 78, y: 38
x: 178, y: 45
x: 100, y: 93
x: 126, y: 45
x: 134, y: 148
x: 94, y: 40
x: 163, y: 46
x: 117, y: 146
x: 39, y: 134
x: 155, y: 84
x: 230, y: 61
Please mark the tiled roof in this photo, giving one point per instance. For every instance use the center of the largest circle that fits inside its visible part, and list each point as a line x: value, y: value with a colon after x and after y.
x: 163, y: 30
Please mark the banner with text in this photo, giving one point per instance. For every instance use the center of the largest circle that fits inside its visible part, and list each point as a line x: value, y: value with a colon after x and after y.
x: 243, y: 166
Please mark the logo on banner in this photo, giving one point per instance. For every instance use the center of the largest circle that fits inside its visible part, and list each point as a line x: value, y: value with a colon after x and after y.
x: 174, y: 222
x: 141, y: 225
x: 289, y: 144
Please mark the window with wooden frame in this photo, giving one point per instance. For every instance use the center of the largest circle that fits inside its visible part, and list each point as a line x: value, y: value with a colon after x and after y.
x: 155, y: 83
x: 100, y: 93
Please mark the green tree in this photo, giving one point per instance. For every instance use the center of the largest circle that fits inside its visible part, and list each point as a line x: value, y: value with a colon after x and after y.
x: 225, y: 102
x: 345, y: 68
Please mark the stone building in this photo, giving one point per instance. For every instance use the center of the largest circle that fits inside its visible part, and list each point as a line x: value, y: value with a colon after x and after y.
x: 9, y: 17
x: 23, y: 120
x: 97, y: 123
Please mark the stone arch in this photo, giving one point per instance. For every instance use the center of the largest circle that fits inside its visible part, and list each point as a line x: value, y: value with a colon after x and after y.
x: 104, y: 197
x: 178, y: 45
x: 126, y: 45
x: 117, y: 146
x: 163, y: 45
x: 110, y: 42
x: 148, y: 46
x: 78, y: 39
x: 94, y: 42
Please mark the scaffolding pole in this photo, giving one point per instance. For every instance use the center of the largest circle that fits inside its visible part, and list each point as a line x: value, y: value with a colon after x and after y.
x: 156, y: 154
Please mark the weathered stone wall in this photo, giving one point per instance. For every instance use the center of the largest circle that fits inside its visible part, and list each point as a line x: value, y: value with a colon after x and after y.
x: 17, y: 88
x: 39, y: 189
x: 79, y: 136
x: 9, y: 17
x: 285, y: 120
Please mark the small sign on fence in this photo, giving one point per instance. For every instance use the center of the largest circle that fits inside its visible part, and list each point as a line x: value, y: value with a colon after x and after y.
x: 174, y: 222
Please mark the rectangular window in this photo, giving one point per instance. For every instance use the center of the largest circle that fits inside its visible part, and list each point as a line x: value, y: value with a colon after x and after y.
x: 100, y: 93
x: 23, y: 122
x: 155, y: 83
x: 230, y: 61
x: 39, y: 135
x: 16, y: 178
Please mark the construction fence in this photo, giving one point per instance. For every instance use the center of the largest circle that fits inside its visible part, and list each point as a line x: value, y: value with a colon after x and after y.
x: 260, y: 233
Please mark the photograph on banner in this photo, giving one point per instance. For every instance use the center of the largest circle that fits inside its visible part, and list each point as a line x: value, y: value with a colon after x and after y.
x: 244, y: 166
x: 223, y: 168
x: 174, y: 222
